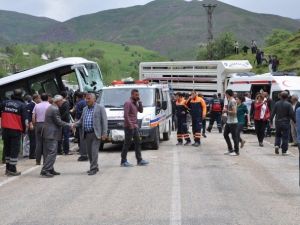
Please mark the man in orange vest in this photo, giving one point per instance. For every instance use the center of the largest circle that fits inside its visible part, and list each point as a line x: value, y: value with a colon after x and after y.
x: 197, y: 108
x: 181, y: 113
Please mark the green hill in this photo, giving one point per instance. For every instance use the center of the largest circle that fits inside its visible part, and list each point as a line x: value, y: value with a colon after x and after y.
x: 175, y: 28
x: 287, y: 51
x: 19, y: 27
x: 116, y: 60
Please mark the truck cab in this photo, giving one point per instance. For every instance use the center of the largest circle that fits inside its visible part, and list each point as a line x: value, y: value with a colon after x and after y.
x: 155, y: 123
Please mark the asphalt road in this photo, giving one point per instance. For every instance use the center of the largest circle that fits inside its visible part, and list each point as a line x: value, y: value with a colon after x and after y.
x: 182, y: 185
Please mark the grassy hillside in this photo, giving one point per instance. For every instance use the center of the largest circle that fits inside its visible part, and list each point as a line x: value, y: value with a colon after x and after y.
x: 19, y: 27
x: 175, y: 27
x: 288, y: 52
x: 116, y: 60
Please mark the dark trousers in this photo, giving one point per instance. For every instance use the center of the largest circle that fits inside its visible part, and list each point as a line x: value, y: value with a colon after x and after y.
x: 196, y: 125
x: 31, y: 135
x: 268, y: 128
x: 39, y: 142
x: 215, y: 116
x: 174, y: 122
x: 182, y: 131
x: 231, y: 128
x: 282, y: 135
x: 260, y: 127
x: 11, y: 147
x: 203, y: 127
x: 65, y: 143
x: 50, y: 152
x: 131, y: 134
x: 240, y: 128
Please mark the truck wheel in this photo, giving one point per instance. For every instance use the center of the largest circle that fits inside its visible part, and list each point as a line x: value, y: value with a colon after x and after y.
x: 155, y: 143
x: 166, y: 135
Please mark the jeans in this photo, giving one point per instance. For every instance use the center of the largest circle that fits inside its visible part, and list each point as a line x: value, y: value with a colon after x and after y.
x: 131, y: 134
x: 282, y: 135
x: 231, y: 128
x: 65, y: 142
x: 260, y: 127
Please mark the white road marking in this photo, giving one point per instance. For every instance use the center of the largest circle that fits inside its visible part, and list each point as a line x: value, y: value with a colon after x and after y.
x: 175, y: 214
x: 11, y: 179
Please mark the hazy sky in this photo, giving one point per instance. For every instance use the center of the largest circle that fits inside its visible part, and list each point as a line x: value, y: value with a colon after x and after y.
x: 65, y: 9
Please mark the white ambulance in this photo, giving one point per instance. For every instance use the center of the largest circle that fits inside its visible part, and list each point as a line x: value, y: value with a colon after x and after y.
x: 155, y: 123
x: 273, y: 83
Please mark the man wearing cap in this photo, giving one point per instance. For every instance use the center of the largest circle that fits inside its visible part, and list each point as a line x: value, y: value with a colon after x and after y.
x: 52, y: 133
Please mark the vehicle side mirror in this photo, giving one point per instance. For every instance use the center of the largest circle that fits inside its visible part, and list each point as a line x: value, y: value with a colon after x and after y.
x: 164, y: 105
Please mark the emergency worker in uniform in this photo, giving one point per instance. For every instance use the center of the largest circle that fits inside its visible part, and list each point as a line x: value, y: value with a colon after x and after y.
x: 14, y: 121
x: 197, y: 108
x: 181, y: 114
x: 216, y: 108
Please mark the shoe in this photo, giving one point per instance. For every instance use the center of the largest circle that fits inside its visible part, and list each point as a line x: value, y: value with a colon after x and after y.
x: 90, y: 170
x: 179, y: 143
x: 143, y: 163
x: 126, y: 164
x: 227, y: 153
x: 261, y: 144
x: 294, y: 144
x: 31, y: 157
x: 233, y: 154
x: 69, y: 153
x: 59, y: 153
x: 286, y: 153
x: 11, y: 173
x: 208, y: 130
x: 46, y: 174
x: 188, y: 143
x: 196, y: 144
x: 93, y: 172
x: 82, y: 159
x: 276, y: 150
x: 204, y: 135
x: 243, y: 143
x: 53, y: 172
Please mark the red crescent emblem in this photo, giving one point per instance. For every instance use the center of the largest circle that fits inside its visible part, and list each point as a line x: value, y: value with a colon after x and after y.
x: 284, y: 83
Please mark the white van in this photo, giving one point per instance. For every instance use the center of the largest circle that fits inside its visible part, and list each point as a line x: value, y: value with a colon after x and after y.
x: 155, y: 122
x: 273, y: 83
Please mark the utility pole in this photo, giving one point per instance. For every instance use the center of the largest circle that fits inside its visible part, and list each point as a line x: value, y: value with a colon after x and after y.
x: 209, y: 8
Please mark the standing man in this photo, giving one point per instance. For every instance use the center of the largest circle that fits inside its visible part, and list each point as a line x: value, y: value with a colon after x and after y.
x: 181, y: 114
x: 14, y: 121
x: 38, y: 119
x: 93, y: 123
x: 80, y: 105
x: 131, y: 129
x: 64, y: 144
x: 284, y: 114
x: 295, y: 105
x: 197, y: 108
x: 231, y: 125
x: 31, y: 131
x: 52, y: 133
x: 216, y: 107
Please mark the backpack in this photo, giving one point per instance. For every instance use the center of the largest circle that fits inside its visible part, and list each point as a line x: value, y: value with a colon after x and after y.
x: 216, y: 107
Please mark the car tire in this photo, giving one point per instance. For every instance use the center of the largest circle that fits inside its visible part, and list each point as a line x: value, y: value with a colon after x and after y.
x: 155, y: 143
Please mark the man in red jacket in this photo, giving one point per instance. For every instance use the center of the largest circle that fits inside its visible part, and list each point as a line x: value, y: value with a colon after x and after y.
x: 14, y: 121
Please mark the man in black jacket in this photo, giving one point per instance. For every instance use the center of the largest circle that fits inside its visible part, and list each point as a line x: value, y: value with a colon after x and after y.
x: 284, y: 114
x: 64, y: 110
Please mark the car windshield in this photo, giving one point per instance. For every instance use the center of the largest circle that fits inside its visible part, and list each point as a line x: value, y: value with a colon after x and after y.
x: 92, y: 82
x: 116, y: 97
